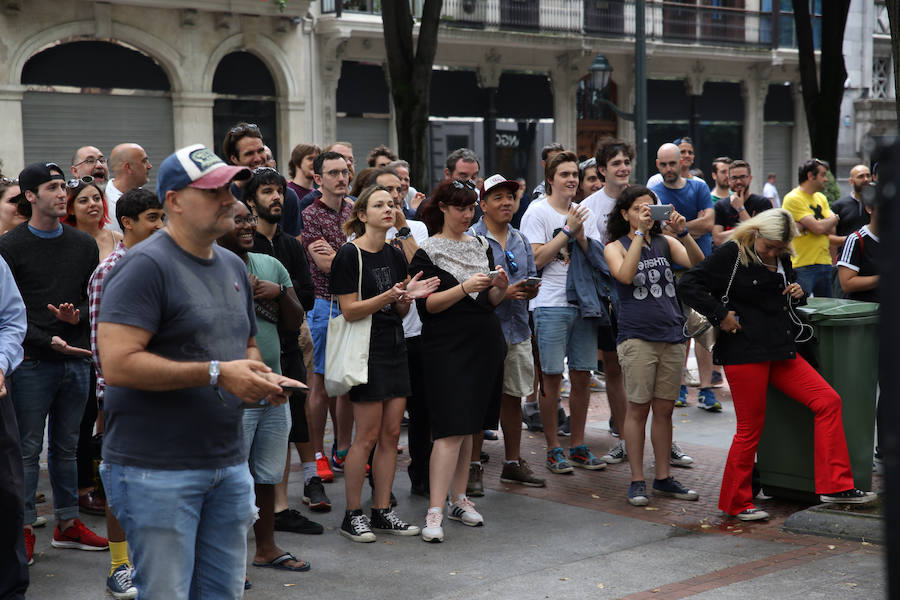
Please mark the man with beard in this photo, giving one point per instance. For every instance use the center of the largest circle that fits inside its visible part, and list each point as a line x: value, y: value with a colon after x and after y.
x: 264, y: 193
x: 739, y: 205
x: 850, y: 210
x: 89, y: 161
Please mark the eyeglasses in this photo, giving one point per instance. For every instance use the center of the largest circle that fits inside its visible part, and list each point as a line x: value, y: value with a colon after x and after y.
x: 464, y: 184
x: 251, y: 220
x: 336, y: 172
x: 511, y: 259
x: 74, y: 183
x: 738, y: 177
x: 90, y: 160
x: 243, y: 127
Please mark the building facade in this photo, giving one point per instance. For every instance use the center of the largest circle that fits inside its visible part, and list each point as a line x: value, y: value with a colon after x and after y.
x: 154, y: 72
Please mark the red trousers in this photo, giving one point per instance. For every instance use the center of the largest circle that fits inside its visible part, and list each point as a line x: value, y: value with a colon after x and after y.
x: 801, y: 382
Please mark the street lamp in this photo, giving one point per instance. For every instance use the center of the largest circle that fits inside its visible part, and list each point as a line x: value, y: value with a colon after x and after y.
x: 601, y: 71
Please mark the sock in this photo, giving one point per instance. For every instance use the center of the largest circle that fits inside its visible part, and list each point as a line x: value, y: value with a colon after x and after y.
x: 515, y: 461
x: 319, y: 455
x: 436, y: 509
x: 475, y: 462
x: 118, y: 555
x: 309, y: 471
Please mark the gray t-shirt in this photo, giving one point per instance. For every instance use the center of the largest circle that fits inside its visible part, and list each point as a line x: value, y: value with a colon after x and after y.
x: 197, y: 310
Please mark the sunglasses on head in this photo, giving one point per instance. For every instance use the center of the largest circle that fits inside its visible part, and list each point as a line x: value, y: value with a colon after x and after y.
x: 243, y: 127
x: 464, y: 184
x: 8, y: 181
x: 259, y: 170
x: 74, y: 183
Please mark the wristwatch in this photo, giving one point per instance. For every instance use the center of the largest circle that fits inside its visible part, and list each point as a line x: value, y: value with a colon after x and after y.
x: 214, y: 371
x: 403, y: 233
x: 568, y: 232
x: 281, y: 291
x: 740, y: 209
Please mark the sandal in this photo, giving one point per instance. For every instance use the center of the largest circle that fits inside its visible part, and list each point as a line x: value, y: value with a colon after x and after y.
x: 278, y: 563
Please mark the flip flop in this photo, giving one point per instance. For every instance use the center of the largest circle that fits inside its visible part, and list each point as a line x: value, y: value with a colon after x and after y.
x: 278, y: 563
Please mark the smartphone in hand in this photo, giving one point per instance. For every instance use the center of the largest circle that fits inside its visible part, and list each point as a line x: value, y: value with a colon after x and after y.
x: 660, y: 212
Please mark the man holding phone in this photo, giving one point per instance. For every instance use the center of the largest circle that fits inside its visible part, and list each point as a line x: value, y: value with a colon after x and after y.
x: 498, y: 201
x: 176, y: 337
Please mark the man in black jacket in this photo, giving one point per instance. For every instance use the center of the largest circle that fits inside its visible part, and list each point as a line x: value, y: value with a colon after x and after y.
x: 52, y: 264
x: 265, y: 193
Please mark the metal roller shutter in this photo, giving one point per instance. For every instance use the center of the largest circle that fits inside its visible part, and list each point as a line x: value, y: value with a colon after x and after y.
x: 777, y: 158
x: 55, y: 124
x: 364, y: 133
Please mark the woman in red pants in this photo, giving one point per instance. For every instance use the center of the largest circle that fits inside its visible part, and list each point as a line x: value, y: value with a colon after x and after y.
x: 746, y: 287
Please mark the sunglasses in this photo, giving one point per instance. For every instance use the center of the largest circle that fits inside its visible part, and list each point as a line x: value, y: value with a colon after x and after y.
x: 259, y: 170
x: 511, y: 259
x: 464, y: 184
x: 8, y: 181
x: 243, y: 127
x: 74, y: 183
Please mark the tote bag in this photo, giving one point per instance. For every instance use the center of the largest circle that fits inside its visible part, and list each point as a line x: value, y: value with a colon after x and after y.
x: 347, y: 347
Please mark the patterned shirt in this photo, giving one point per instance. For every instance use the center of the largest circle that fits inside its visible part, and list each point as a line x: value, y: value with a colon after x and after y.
x: 95, y: 291
x: 319, y: 221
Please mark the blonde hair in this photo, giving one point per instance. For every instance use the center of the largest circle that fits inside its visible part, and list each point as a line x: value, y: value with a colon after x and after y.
x: 775, y: 224
x: 353, y: 225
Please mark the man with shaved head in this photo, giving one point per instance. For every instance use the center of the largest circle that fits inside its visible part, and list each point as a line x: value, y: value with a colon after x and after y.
x: 130, y: 168
x: 89, y: 161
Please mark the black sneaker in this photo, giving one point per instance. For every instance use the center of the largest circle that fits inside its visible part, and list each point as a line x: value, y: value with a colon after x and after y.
x: 385, y: 520
x: 356, y: 526
x: 291, y: 520
x: 314, y: 495
x: 531, y: 416
x: 672, y: 488
x: 851, y: 496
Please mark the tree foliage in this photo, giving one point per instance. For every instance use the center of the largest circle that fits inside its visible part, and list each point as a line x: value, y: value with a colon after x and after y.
x: 409, y: 72
x: 822, y: 91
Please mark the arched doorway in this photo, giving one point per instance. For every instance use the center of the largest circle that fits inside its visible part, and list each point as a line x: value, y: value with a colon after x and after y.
x: 94, y: 93
x: 245, y: 91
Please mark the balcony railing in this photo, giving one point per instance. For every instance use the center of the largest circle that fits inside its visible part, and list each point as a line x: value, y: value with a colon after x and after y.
x: 684, y: 21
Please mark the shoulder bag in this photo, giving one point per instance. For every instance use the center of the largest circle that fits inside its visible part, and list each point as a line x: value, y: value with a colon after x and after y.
x: 695, y: 324
x: 347, y: 347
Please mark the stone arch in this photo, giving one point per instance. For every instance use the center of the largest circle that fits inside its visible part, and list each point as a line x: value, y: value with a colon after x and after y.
x: 264, y: 49
x: 167, y: 57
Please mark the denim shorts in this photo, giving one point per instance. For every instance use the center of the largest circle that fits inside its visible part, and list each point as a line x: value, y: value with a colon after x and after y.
x: 562, y: 334
x: 266, y: 432
x: 318, y: 327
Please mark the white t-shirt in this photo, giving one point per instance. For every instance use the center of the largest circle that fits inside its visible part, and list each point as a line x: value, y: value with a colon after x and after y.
x: 601, y: 204
x: 540, y: 223
x: 112, y: 196
x: 771, y: 192
x: 412, y: 324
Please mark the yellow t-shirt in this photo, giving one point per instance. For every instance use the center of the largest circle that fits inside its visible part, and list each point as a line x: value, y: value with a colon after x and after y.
x: 812, y: 249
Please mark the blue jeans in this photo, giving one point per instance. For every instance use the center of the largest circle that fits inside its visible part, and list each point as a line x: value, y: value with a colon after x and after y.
x: 561, y: 334
x: 58, y: 388
x: 815, y: 280
x: 187, y: 530
x: 266, y: 432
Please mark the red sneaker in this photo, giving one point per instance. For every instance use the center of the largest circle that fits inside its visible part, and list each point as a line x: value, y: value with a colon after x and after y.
x: 79, y: 537
x: 29, y: 546
x: 323, y: 469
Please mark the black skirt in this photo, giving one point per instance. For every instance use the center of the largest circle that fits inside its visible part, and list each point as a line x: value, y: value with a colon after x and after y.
x: 388, y: 367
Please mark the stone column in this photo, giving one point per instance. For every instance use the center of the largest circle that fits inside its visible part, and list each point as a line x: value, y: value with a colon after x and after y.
x: 754, y: 90
x: 801, y: 143
x: 12, y: 149
x: 293, y: 128
x: 192, y: 119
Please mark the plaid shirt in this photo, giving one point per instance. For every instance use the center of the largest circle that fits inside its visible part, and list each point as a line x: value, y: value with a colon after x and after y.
x: 319, y: 221
x: 95, y: 290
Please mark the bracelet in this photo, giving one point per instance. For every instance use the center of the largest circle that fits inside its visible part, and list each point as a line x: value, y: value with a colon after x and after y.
x: 740, y: 210
x: 463, y: 288
x: 567, y: 231
x: 683, y: 234
x: 638, y: 233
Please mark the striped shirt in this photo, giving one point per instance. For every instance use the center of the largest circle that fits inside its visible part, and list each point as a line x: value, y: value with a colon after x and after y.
x: 861, y: 254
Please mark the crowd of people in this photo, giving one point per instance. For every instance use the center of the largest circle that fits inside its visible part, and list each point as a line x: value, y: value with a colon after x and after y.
x: 188, y: 329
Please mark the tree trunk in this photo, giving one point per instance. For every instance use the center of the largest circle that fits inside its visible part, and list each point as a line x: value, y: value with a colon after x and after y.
x: 409, y: 74
x: 822, y: 94
x: 893, y: 10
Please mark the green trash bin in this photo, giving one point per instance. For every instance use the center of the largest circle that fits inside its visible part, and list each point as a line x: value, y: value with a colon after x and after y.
x: 845, y: 346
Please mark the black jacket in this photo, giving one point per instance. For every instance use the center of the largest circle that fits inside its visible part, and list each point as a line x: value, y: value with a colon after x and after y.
x: 767, y: 331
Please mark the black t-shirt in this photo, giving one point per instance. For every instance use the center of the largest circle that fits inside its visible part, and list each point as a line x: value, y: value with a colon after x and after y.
x: 861, y: 254
x: 728, y: 218
x: 381, y: 270
x: 851, y: 215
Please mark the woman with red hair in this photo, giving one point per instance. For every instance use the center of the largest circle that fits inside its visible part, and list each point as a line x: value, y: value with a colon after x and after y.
x: 86, y: 210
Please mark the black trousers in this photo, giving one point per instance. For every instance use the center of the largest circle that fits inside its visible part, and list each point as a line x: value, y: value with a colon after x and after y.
x: 419, y: 433
x: 13, y: 567
x: 87, y: 447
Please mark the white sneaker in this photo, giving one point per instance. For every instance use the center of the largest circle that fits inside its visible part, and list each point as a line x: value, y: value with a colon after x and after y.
x: 689, y: 378
x: 597, y: 384
x: 39, y: 521
x: 615, y: 454
x: 464, y: 511
x: 433, y: 532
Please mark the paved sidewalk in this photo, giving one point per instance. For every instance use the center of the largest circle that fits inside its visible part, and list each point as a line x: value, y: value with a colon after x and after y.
x: 577, y: 538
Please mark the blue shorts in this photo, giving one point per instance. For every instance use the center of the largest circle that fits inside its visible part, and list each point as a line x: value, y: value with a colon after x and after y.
x: 266, y: 432
x: 318, y: 327
x: 562, y: 334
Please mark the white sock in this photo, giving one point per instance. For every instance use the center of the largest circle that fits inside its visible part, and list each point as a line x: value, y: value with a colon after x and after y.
x: 309, y: 471
x: 436, y: 509
x: 511, y: 462
x: 475, y: 462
